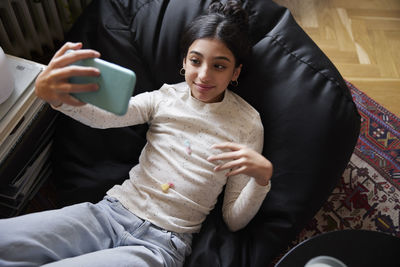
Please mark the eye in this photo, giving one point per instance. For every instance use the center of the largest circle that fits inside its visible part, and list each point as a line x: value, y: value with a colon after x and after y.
x: 219, y: 67
x: 195, y: 61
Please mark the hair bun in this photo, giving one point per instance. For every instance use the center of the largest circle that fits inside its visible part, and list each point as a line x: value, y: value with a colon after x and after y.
x: 226, y: 22
x: 231, y: 9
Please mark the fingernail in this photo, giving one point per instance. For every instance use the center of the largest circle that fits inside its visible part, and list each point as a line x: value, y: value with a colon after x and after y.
x: 95, y: 71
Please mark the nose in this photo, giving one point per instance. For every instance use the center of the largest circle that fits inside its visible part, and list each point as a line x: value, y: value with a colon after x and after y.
x: 204, y: 73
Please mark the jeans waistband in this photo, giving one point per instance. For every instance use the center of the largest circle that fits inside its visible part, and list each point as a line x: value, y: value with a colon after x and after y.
x: 185, y: 237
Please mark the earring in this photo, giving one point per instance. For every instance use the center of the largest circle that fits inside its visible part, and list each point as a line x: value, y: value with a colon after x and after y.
x: 182, y: 72
x: 234, y: 83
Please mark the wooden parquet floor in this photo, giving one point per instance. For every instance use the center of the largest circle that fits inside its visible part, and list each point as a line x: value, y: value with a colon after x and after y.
x: 362, y: 39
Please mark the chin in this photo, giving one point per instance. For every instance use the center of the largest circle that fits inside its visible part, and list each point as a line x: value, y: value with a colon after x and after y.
x: 203, y: 99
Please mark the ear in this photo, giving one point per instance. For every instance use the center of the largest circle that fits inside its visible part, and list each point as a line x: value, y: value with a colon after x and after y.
x: 236, y: 72
x: 184, y: 62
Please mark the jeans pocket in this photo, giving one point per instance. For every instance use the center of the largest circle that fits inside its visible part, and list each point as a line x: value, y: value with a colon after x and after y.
x: 177, y: 245
x: 172, y: 244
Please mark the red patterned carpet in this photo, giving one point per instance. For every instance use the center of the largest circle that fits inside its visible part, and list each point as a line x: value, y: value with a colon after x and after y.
x: 368, y: 194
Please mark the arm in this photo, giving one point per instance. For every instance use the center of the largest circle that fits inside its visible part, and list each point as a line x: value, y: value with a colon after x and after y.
x: 248, y: 182
x: 52, y: 85
x: 139, y: 111
x: 242, y: 200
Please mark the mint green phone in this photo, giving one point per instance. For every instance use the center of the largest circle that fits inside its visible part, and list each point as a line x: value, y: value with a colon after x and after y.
x: 116, y: 85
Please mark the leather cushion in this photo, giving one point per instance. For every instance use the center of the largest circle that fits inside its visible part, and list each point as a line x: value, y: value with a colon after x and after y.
x: 311, y: 124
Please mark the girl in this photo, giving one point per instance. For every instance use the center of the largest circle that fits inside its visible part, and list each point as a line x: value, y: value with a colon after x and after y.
x: 202, y: 138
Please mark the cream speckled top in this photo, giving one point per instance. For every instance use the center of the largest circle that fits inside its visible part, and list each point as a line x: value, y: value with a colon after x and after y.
x: 181, y: 131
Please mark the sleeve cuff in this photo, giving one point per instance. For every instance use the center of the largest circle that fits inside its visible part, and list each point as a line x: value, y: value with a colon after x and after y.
x: 62, y: 107
x: 262, y: 189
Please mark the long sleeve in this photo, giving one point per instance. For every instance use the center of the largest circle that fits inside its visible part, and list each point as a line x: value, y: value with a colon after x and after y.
x: 139, y: 111
x: 243, y: 195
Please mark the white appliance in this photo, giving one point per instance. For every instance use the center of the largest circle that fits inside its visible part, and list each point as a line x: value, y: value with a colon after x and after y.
x: 7, y: 84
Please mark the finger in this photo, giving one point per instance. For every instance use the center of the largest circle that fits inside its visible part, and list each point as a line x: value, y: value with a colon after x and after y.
x: 67, y: 46
x: 73, y: 70
x: 69, y: 58
x: 68, y: 88
x: 227, y: 145
x: 237, y: 171
x: 229, y: 165
x: 224, y: 156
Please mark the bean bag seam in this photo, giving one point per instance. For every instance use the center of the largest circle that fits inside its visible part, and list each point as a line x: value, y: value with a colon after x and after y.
x: 286, y: 48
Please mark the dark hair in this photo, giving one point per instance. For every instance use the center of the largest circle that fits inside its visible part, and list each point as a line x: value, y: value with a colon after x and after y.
x: 225, y: 22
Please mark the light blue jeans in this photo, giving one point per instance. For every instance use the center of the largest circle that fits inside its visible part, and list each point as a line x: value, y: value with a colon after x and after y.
x: 102, y: 234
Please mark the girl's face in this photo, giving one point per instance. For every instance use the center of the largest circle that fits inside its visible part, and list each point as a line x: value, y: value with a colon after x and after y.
x: 209, y: 67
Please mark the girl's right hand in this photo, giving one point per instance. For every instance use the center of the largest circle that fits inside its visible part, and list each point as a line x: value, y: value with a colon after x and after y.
x: 52, y: 84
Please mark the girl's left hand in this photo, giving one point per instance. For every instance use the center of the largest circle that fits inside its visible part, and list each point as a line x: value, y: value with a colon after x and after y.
x: 243, y: 160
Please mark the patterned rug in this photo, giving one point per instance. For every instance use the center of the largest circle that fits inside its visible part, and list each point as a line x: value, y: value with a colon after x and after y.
x: 368, y: 194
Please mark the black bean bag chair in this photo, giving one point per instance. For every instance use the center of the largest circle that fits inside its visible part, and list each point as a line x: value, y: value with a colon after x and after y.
x: 311, y: 123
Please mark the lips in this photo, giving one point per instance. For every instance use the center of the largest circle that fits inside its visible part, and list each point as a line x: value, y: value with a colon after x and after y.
x: 203, y: 87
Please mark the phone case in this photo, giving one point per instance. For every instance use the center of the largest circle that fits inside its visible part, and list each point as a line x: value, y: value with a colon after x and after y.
x: 116, y: 85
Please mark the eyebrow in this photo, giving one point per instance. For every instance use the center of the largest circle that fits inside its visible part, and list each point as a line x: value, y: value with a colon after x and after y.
x: 201, y: 55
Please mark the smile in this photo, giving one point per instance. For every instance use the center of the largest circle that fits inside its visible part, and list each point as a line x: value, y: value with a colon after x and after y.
x: 203, y: 87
